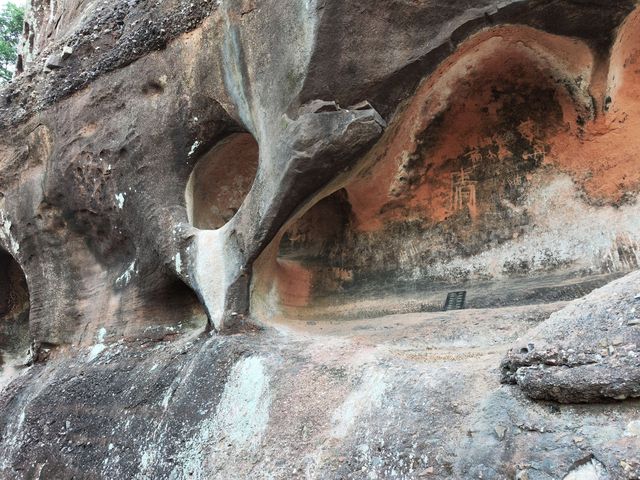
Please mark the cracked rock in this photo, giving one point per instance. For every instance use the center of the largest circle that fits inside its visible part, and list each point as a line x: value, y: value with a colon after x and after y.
x: 568, y: 364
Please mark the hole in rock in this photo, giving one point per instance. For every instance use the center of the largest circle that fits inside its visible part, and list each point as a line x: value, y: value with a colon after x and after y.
x: 166, y: 302
x: 498, y: 178
x: 221, y: 180
x: 14, y: 312
x: 152, y: 87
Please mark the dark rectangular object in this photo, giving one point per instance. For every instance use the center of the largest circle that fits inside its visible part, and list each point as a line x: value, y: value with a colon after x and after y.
x: 455, y: 300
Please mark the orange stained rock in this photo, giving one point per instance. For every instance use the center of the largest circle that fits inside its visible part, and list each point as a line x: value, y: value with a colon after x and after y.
x: 294, y: 283
x: 456, y: 112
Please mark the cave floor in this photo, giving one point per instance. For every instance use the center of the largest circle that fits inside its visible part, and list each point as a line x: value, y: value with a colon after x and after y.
x: 493, y: 294
x: 431, y: 333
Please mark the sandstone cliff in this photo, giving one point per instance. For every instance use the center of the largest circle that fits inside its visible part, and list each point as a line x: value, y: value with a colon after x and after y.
x: 228, y: 228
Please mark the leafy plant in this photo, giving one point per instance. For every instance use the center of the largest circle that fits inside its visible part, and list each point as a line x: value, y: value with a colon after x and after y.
x: 11, y: 21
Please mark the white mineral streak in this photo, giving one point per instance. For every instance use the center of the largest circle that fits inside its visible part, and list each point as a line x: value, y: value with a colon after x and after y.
x: 99, y: 347
x: 124, y: 279
x: 120, y: 198
x: 359, y: 403
x: 239, y: 423
x: 5, y: 233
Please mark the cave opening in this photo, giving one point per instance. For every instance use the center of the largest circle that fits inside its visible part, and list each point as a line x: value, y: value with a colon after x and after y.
x: 491, y: 180
x: 14, y: 311
x: 221, y: 180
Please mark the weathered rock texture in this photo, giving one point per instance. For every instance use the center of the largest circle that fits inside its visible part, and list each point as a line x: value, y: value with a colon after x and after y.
x: 205, y: 207
x: 587, y: 352
x: 511, y: 161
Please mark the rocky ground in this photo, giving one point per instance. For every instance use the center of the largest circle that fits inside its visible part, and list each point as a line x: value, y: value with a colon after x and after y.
x: 404, y: 396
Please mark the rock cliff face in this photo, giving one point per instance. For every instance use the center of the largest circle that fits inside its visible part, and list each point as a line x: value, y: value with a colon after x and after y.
x: 227, y: 230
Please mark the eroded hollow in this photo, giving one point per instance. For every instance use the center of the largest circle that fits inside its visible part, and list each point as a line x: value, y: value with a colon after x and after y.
x: 221, y: 180
x: 501, y: 177
x: 14, y: 311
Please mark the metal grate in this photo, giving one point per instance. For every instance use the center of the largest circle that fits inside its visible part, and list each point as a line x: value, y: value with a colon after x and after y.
x: 455, y: 300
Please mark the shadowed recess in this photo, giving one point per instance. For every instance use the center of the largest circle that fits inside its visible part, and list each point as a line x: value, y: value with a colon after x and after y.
x: 221, y: 180
x: 14, y: 310
x: 507, y: 175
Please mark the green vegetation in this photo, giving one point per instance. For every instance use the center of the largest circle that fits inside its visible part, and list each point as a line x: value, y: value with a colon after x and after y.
x: 11, y: 20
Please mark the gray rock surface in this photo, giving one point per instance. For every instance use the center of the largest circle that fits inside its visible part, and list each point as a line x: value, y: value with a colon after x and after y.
x: 587, y: 352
